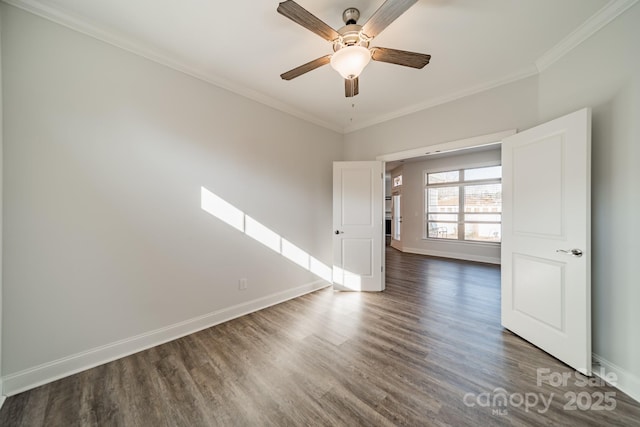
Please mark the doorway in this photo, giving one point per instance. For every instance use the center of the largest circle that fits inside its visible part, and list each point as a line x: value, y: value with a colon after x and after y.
x: 443, y: 226
x: 545, y: 282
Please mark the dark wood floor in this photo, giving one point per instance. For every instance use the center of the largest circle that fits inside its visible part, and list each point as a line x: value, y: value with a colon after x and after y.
x: 428, y: 351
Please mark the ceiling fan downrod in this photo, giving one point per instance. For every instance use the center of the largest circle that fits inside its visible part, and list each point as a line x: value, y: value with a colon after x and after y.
x: 350, y: 16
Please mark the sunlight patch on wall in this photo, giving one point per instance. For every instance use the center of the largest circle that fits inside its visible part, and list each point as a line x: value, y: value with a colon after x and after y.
x: 320, y: 269
x: 346, y: 279
x: 295, y: 254
x: 237, y: 219
x: 261, y: 233
x: 221, y: 209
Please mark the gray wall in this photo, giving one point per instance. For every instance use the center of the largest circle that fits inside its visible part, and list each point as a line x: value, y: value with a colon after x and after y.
x: 506, y: 107
x: 105, y: 155
x: 602, y: 73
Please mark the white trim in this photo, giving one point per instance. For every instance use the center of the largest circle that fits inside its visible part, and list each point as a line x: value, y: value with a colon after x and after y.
x: 454, y: 255
x: 588, y: 28
x: 627, y: 382
x: 434, y: 102
x: 51, y: 371
x: 2, y: 397
x: 605, y: 15
x: 460, y: 144
x: 112, y: 37
x: 396, y: 244
x: 475, y: 165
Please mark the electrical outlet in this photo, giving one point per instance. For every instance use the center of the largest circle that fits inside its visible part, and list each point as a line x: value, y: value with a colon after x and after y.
x: 242, y: 284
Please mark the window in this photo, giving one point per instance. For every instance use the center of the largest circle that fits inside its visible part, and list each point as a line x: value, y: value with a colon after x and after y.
x: 397, y: 181
x: 464, y: 204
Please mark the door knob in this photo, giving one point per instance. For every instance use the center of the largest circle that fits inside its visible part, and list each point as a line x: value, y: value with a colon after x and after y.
x: 572, y: 252
x: 339, y: 232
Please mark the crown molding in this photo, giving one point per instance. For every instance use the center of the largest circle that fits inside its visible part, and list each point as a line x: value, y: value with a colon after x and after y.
x: 522, y: 74
x: 82, y: 25
x: 608, y: 13
x: 605, y: 15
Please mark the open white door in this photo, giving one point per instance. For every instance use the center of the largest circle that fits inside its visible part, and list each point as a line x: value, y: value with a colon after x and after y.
x: 358, y: 213
x: 546, y: 281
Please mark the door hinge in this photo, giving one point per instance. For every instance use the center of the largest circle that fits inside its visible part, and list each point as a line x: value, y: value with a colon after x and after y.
x: 382, y: 269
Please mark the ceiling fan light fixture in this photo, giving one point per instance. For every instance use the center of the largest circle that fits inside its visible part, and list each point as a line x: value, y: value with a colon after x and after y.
x: 350, y: 61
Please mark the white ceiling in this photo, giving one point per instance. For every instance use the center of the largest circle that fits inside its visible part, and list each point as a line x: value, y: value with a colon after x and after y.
x: 244, y: 46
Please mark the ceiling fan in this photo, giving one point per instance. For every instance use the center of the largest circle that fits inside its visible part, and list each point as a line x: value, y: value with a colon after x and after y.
x: 351, y: 42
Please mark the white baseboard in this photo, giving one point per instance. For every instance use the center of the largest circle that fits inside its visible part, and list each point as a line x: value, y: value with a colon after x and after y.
x: 454, y: 255
x: 51, y: 371
x: 627, y: 382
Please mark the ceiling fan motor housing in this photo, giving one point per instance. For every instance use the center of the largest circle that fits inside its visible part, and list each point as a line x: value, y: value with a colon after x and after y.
x: 350, y: 35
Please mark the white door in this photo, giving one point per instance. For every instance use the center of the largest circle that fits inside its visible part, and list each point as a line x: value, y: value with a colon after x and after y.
x: 396, y: 217
x: 358, y: 213
x: 546, y: 283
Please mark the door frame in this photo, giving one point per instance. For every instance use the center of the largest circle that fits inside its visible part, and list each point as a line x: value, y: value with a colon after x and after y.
x: 450, y: 146
x: 446, y: 147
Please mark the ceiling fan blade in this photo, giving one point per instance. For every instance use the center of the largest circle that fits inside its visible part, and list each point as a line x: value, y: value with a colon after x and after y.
x: 385, y: 15
x: 305, y: 68
x: 351, y: 87
x: 400, y: 57
x: 302, y: 16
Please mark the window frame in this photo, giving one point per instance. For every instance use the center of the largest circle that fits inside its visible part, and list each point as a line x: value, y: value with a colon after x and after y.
x: 460, y: 184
